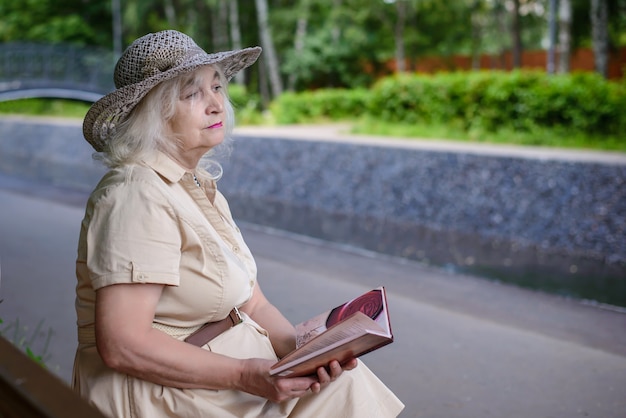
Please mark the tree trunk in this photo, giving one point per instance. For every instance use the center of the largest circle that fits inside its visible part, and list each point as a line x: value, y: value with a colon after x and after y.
x: 476, y: 32
x: 516, y: 35
x: 500, y: 21
x: 116, y: 14
x: 198, y: 8
x: 263, y: 81
x: 270, y: 58
x: 170, y: 13
x: 399, y: 35
x: 551, y: 58
x: 600, y: 35
x: 298, y: 40
x: 336, y: 29
x: 565, y: 35
x: 219, y: 30
x: 235, y: 34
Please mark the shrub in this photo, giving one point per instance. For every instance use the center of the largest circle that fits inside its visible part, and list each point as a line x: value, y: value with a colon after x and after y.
x: 526, y: 104
x: 494, y: 100
x: 323, y: 104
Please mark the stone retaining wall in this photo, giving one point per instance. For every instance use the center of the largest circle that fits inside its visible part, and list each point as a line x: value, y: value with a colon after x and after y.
x: 557, y: 224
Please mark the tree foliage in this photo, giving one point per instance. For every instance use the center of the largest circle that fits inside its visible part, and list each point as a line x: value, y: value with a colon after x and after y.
x: 74, y: 21
x: 338, y: 39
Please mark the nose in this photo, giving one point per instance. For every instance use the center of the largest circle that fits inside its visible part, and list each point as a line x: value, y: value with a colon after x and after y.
x: 215, y: 103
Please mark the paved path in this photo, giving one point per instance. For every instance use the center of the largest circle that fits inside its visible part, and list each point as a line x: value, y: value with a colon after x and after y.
x: 464, y: 347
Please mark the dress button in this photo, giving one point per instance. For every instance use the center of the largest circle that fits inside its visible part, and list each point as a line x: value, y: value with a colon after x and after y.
x: 236, y: 249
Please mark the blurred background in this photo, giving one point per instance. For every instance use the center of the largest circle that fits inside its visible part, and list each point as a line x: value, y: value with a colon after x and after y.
x: 429, y: 62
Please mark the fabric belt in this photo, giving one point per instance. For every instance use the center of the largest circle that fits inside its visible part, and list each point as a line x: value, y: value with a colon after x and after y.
x: 211, y: 330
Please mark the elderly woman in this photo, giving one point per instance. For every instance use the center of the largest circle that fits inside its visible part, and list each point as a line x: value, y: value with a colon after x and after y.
x: 171, y: 319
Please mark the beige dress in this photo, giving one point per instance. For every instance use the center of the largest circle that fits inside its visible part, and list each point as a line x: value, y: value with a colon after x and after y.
x: 152, y: 224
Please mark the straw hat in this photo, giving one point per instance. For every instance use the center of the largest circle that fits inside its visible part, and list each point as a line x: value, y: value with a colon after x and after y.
x: 148, y: 61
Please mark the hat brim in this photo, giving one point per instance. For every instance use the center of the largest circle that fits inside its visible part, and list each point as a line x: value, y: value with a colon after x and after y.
x: 114, y: 107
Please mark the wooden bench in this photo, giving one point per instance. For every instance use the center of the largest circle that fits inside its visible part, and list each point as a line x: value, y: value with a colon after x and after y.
x: 28, y: 390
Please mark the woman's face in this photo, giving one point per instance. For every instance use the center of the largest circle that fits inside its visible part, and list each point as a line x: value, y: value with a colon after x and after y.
x: 198, y: 123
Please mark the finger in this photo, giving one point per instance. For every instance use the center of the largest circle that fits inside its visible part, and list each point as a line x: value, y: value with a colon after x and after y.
x: 323, y: 376
x: 335, y: 370
x: 351, y: 364
x: 298, y: 393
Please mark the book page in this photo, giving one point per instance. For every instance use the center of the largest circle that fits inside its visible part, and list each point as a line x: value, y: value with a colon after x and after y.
x: 357, y: 325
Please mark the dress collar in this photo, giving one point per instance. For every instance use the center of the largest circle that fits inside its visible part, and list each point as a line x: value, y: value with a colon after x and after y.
x: 166, y: 167
x: 171, y: 171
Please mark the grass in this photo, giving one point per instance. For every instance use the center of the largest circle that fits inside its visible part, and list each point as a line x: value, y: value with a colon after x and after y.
x: 45, y: 107
x: 557, y: 138
x: 18, y: 336
x: 245, y: 116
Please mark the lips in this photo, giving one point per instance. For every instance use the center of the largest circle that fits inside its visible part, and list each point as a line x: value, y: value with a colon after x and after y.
x: 216, y: 125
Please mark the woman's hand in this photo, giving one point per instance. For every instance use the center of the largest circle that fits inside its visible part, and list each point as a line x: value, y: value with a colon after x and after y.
x: 257, y: 380
x: 326, y: 375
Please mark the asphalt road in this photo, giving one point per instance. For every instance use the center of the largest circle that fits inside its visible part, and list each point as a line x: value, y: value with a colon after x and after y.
x: 464, y: 346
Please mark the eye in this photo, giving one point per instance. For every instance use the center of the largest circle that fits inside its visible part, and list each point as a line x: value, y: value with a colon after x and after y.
x: 217, y: 87
x: 191, y: 94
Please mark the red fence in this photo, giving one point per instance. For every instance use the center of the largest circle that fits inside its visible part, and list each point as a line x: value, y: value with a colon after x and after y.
x: 580, y: 60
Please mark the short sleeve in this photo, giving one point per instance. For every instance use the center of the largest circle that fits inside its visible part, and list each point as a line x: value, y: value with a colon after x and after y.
x: 133, y: 237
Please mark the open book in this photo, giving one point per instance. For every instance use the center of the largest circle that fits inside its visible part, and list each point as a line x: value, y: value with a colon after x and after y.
x: 350, y: 330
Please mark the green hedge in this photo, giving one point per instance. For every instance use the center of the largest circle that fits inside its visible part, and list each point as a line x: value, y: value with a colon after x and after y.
x: 324, y: 104
x: 582, y: 102
x: 485, y: 100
